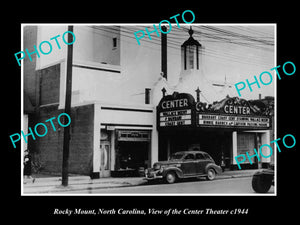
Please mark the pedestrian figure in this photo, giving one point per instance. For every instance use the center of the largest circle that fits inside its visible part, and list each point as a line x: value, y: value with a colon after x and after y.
x: 27, y: 167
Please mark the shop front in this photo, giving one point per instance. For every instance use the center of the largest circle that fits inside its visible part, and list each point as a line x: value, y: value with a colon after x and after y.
x: 122, y: 140
x: 124, y: 152
x: 132, y: 152
x: 224, y: 129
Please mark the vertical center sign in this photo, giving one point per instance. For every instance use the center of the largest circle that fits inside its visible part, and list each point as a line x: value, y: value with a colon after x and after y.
x: 175, y: 110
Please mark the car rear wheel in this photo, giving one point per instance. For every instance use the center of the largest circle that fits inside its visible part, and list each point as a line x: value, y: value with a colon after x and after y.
x: 211, y: 174
x: 170, y: 177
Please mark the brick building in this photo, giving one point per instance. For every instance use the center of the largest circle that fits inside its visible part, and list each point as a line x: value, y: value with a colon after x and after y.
x: 110, y: 120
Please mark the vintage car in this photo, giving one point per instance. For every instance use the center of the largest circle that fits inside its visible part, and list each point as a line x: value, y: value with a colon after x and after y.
x: 184, y: 164
x: 263, y: 180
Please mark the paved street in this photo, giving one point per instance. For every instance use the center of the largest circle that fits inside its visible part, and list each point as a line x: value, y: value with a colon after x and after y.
x: 229, y: 182
x: 223, y: 186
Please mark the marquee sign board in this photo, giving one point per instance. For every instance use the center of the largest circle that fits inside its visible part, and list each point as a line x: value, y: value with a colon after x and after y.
x: 212, y: 120
x: 176, y: 118
x: 180, y: 110
x: 176, y: 110
x: 232, y: 113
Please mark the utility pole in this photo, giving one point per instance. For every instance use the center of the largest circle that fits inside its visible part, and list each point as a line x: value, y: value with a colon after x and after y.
x: 164, y: 60
x: 66, y: 144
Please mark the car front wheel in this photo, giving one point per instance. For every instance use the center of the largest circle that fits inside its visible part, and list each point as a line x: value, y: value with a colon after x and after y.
x: 211, y: 174
x: 170, y: 177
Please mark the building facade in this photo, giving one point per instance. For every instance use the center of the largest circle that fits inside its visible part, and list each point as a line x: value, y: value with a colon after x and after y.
x: 125, y: 113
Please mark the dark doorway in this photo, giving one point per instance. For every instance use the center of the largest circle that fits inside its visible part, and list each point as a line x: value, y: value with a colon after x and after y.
x: 216, y: 142
x: 133, y: 155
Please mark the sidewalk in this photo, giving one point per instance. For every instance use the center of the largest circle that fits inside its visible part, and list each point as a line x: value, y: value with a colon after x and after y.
x: 52, y: 185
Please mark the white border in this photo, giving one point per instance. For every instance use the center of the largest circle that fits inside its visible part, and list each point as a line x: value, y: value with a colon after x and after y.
x: 147, y: 24
x: 22, y: 111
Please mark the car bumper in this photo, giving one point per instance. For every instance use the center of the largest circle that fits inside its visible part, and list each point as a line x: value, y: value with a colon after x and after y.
x: 152, y: 175
x: 267, y: 172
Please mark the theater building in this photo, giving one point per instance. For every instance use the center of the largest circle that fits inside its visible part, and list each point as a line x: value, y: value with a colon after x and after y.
x: 126, y: 115
x: 226, y: 128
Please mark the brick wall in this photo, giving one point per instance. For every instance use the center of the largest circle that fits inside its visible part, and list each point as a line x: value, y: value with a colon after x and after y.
x: 49, y: 79
x: 30, y: 77
x: 48, y: 149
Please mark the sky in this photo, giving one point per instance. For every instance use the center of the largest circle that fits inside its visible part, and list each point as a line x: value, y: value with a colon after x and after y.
x: 231, y: 53
x: 234, y: 52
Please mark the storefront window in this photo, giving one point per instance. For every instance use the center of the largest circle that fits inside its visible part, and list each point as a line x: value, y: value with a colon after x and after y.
x: 245, y: 143
x: 133, y: 150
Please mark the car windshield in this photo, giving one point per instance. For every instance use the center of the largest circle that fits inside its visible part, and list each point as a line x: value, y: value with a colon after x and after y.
x: 177, y: 156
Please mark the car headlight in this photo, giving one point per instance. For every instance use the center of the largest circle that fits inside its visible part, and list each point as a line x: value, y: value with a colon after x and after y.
x: 156, y: 166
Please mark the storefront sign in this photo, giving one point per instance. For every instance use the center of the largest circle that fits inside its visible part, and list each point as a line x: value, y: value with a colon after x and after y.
x: 110, y: 127
x: 212, y: 120
x: 129, y: 135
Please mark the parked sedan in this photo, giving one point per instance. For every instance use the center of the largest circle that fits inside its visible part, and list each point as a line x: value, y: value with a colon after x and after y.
x: 184, y: 164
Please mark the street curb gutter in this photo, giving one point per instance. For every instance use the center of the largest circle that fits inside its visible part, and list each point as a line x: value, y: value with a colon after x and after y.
x: 60, y: 189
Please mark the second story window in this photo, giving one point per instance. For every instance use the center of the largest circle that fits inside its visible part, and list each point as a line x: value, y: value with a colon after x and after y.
x: 114, y: 42
x: 191, y: 57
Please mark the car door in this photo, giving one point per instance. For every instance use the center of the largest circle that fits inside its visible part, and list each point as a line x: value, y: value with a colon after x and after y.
x: 200, y: 163
x: 188, y: 165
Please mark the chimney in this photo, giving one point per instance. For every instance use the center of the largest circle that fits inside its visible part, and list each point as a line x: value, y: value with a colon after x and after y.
x: 147, y: 95
x: 164, y: 52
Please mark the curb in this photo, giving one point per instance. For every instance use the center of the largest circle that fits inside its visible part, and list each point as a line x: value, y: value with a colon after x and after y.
x: 60, y: 189
x: 233, y: 176
x: 114, y: 184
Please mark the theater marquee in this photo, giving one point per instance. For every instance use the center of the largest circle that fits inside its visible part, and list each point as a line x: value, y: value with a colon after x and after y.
x: 232, y: 113
x: 176, y: 110
x: 180, y: 110
x: 233, y: 121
